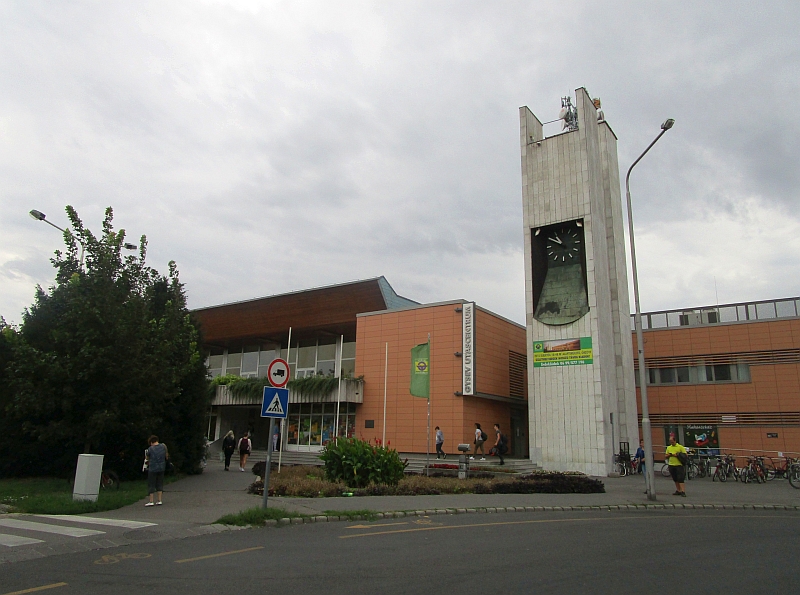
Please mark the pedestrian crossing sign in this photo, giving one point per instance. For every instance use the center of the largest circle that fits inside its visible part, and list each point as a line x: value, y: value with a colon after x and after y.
x: 275, y: 403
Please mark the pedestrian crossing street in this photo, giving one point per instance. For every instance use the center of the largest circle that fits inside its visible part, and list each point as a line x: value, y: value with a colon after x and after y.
x: 27, y: 532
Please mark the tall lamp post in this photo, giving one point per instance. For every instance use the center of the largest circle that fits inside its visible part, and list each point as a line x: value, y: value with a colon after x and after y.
x: 39, y: 216
x: 647, y: 434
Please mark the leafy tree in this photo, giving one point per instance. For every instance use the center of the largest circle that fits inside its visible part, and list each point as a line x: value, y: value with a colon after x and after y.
x: 103, y: 358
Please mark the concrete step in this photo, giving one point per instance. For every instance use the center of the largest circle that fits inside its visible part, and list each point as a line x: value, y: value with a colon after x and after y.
x: 416, y: 461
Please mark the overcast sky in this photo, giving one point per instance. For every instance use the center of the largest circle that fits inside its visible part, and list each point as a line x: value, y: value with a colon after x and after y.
x: 276, y: 146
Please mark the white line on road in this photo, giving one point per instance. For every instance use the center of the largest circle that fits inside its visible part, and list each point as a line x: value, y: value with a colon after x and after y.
x: 44, y: 528
x: 98, y: 521
x: 15, y: 540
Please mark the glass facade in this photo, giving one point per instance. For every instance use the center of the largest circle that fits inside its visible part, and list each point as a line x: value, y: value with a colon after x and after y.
x: 310, y: 426
x: 315, y: 357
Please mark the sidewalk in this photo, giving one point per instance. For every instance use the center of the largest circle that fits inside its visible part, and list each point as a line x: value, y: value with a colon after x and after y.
x: 202, y: 499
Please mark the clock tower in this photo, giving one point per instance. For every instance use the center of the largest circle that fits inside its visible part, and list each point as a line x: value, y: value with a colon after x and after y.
x: 581, y: 394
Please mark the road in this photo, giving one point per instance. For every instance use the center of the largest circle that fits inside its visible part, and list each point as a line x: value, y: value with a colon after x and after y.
x: 652, y: 551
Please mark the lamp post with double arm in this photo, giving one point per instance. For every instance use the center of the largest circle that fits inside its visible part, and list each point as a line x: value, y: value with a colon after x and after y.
x: 646, y: 431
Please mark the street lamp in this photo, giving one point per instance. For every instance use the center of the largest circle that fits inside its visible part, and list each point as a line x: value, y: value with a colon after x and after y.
x: 39, y: 216
x: 637, y: 318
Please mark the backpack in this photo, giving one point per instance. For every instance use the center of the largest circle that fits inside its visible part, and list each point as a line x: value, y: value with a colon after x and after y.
x: 484, y: 437
x: 244, y: 445
x: 683, y: 458
x: 503, y: 444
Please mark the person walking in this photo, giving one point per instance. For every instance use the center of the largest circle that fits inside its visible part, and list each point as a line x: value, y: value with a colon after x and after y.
x: 276, y: 435
x: 228, y: 447
x: 677, y: 458
x: 639, y: 459
x: 480, y: 438
x: 155, y: 459
x: 499, y: 443
x: 245, y: 446
x: 439, y: 443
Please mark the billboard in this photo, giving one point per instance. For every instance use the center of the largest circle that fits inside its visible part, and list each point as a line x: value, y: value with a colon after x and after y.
x: 562, y: 352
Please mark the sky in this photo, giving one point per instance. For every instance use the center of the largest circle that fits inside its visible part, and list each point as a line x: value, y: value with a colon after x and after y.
x: 269, y: 147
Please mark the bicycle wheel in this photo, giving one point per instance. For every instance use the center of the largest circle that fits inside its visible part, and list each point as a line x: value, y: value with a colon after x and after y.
x: 665, y: 470
x: 109, y: 480
x: 794, y: 476
x: 770, y: 472
x: 623, y: 471
x: 691, y: 471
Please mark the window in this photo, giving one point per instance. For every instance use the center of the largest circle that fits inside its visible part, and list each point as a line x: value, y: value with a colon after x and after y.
x: 667, y: 375
x: 348, y: 360
x: 233, y: 364
x: 694, y: 374
x: 214, y: 361
x: 250, y: 361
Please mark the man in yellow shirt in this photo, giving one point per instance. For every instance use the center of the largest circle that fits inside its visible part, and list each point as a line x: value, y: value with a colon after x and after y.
x: 676, y: 468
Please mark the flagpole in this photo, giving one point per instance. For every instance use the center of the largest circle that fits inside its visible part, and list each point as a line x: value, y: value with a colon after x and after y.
x: 339, y: 393
x: 283, y: 426
x: 428, y: 441
x: 385, y: 380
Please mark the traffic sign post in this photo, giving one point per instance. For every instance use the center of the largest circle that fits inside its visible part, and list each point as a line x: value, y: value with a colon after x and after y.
x: 275, y: 405
x: 278, y: 373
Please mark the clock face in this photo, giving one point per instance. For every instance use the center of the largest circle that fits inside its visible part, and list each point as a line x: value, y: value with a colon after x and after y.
x: 563, y: 246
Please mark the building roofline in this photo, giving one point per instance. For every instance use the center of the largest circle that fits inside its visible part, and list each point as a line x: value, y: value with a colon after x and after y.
x: 446, y: 303
x: 300, y: 291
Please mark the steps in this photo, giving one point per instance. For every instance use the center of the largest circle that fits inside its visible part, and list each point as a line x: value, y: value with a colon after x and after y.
x: 416, y: 461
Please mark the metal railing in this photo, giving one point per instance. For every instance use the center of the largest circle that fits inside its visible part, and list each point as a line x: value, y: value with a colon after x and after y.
x: 739, y: 312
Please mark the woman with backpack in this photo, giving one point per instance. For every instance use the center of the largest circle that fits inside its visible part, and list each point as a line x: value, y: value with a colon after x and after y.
x: 245, y: 446
x: 500, y: 443
x: 480, y: 438
x: 228, y: 446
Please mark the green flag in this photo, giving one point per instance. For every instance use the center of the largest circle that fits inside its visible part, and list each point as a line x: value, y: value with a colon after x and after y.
x: 420, y: 370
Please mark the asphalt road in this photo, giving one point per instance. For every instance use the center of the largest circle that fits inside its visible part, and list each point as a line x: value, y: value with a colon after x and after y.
x: 664, y: 551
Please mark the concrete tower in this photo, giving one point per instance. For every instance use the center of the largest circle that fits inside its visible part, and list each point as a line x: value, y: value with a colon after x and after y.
x: 582, y: 400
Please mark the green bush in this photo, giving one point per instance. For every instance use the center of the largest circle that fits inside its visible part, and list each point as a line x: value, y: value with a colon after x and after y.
x: 358, y: 463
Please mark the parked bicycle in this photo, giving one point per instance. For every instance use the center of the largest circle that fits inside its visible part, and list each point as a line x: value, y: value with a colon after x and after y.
x: 109, y: 480
x: 781, y: 470
x: 754, y: 471
x: 627, y: 466
x: 726, y: 467
x: 794, y: 475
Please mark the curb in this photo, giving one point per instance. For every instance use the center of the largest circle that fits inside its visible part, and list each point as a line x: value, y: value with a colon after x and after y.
x: 493, y: 510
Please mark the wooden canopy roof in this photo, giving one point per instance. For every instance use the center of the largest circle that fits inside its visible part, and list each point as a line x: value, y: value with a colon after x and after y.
x: 325, y: 310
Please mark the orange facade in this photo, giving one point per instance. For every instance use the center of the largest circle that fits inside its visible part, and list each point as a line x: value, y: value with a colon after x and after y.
x: 759, y: 413
x: 395, y: 333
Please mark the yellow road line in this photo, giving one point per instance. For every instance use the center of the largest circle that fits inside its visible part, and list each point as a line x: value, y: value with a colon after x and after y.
x: 440, y: 527
x: 374, y: 526
x: 250, y: 549
x: 572, y: 520
x: 37, y: 589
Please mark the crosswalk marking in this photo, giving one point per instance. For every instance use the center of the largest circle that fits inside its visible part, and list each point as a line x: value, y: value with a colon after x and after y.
x: 98, y: 521
x: 45, y: 528
x: 15, y: 540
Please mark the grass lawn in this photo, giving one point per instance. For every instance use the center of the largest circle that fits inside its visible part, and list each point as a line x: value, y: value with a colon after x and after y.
x: 257, y: 516
x: 41, y: 495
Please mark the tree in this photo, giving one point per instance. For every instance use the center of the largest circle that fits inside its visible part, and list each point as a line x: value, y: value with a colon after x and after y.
x: 105, y: 357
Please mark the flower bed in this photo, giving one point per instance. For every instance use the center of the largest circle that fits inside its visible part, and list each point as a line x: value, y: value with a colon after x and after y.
x: 309, y: 482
